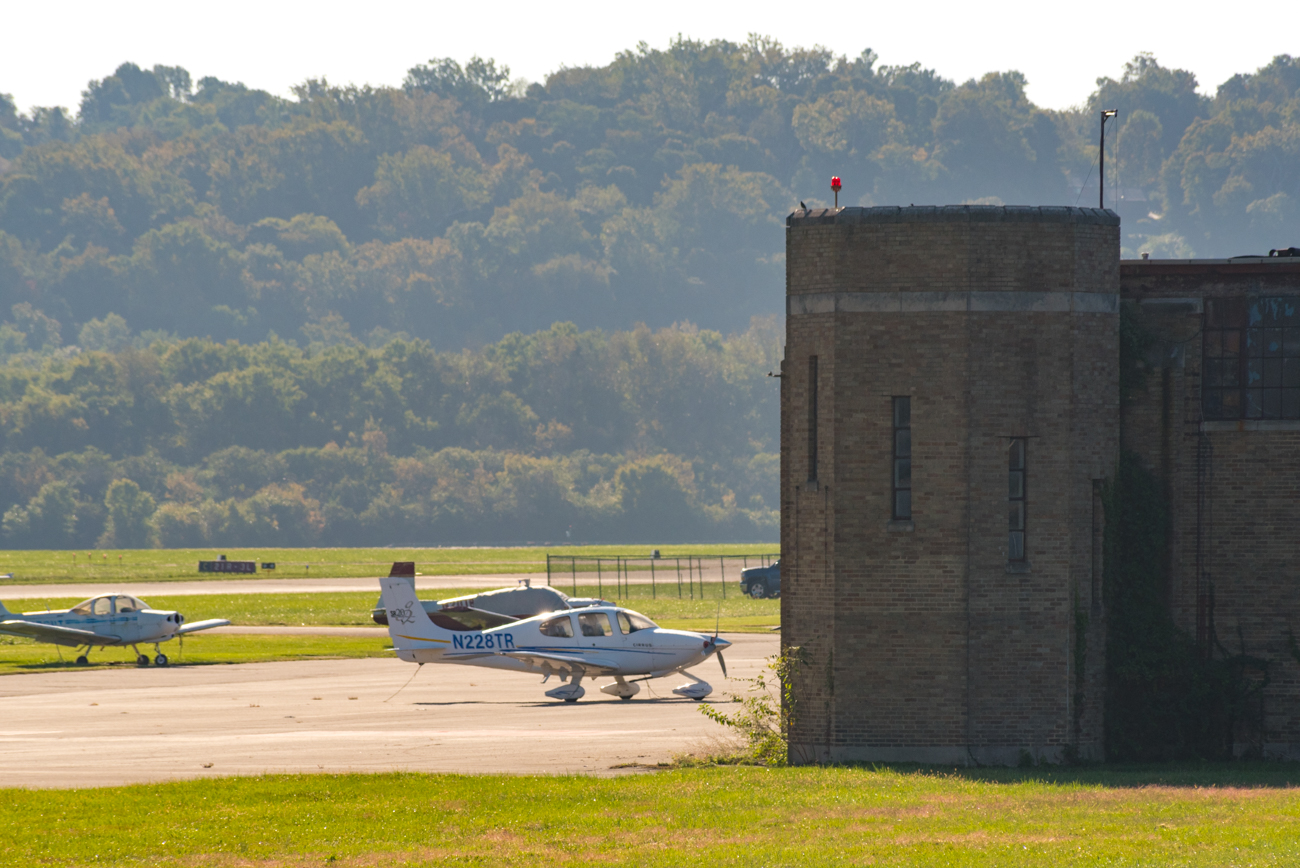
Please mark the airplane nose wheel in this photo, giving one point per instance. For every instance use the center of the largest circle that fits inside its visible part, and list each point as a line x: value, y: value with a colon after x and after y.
x: 160, y: 660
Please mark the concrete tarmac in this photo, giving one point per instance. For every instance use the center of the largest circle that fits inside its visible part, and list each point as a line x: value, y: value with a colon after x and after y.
x: 107, y: 727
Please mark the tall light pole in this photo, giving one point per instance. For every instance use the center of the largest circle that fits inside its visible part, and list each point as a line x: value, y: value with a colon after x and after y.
x: 1101, y: 164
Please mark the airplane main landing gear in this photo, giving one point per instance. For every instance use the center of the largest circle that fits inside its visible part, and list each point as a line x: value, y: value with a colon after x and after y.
x: 697, y: 689
x: 571, y: 692
x: 621, y: 688
x: 160, y: 660
x: 142, y: 660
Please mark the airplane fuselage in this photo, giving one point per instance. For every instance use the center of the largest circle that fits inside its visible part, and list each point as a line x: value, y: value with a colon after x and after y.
x: 648, y: 651
x: 147, y: 626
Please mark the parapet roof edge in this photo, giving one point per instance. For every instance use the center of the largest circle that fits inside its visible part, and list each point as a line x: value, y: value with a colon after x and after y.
x: 953, y: 214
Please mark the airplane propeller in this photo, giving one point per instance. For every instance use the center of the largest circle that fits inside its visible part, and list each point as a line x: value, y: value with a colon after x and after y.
x: 717, y: 623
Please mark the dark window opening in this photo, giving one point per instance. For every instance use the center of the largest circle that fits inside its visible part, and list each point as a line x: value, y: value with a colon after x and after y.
x: 902, y: 459
x: 812, y: 418
x: 1016, y: 500
x: 1251, y: 358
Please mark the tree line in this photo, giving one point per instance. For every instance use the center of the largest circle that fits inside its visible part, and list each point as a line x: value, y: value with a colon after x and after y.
x: 457, y: 207
x: 562, y: 434
x: 198, y: 277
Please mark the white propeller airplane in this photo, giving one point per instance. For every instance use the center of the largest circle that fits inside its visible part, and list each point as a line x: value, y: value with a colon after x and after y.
x: 574, y: 644
x: 109, y: 619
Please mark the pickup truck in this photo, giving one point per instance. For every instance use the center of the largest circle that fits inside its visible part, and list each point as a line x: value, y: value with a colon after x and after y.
x: 760, y: 582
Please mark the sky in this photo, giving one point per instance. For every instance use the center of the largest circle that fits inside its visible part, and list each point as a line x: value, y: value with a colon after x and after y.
x: 49, y: 51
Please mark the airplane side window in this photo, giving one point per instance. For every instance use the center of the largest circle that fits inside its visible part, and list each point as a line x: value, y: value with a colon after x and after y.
x: 126, y: 604
x: 83, y: 608
x: 632, y: 621
x: 561, y: 627
x: 595, y: 624
x: 103, y: 606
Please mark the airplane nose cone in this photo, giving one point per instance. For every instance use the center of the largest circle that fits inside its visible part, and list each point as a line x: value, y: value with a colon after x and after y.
x: 720, y: 643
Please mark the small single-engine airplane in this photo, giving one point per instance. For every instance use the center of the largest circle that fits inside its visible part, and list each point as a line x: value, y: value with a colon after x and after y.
x: 109, y: 619
x: 574, y: 644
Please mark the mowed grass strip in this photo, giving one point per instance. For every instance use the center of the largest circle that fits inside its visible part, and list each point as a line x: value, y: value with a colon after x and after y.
x: 23, y: 655
x: 160, y: 565
x: 715, y: 816
x: 736, y: 612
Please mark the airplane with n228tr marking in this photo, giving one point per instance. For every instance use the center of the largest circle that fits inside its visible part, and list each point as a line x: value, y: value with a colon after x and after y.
x: 572, y: 644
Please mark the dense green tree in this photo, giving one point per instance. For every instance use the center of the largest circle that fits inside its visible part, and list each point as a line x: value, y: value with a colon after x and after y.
x: 129, y: 513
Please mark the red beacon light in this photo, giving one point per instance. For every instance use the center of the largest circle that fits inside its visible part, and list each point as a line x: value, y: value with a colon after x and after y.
x: 835, y: 186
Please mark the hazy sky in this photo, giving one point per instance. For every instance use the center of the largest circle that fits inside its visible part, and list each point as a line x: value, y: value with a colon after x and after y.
x: 48, y: 51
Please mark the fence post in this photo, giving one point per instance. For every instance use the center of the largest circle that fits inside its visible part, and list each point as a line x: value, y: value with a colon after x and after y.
x: 573, y: 568
x: 679, y: 578
x: 548, y: 569
x: 653, y: 595
x: 722, y: 574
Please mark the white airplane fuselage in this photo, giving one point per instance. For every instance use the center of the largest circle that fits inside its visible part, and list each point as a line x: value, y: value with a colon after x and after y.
x: 646, y: 652
x: 144, y: 627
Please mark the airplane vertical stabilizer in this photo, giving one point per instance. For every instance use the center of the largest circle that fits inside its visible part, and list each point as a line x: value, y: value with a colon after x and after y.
x: 408, y: 624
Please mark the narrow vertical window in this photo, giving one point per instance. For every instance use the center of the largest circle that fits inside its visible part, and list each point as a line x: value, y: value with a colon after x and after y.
x: 902, y: 486
x: 812, y: 418
x: 1016, y: 500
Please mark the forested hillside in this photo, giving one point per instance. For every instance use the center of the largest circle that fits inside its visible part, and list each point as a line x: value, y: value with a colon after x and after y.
x: 359, y: 284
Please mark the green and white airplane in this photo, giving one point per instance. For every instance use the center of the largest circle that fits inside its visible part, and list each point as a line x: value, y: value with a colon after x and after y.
x: 106, y: 620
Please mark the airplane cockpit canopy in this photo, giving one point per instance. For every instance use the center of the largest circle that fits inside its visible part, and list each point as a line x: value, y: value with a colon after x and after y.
x: 105, y: 604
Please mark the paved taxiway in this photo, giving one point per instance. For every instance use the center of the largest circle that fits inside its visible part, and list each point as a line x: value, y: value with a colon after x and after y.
x: 124, y: 725
x: 187, y: 588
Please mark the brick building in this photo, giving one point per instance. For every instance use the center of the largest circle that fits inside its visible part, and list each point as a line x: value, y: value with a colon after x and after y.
x: 950, y: 412
x: 1217, y: 417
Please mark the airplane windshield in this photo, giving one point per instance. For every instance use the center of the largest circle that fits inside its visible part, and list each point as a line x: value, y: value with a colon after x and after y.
x: 630, y: 622
x: 130, y: 604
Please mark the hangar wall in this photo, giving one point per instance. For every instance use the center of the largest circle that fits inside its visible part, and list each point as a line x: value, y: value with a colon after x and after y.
x: 950, y: 407
x: 1216, y: 416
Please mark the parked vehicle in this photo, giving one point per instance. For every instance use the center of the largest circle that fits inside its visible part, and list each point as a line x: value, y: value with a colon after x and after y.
x: 760, y: 582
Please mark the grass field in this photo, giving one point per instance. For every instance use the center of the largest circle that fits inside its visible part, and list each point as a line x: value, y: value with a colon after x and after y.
x: 1238, y: 815
x: 735, y: 614
x: 24, y: 655
x: 157, y: 565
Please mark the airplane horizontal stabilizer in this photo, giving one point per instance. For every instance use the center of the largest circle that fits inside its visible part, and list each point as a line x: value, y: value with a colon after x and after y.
x: 196, y: 626
x: 57, y: 635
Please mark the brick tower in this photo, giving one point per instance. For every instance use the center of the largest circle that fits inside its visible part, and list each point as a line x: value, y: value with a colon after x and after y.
x: 950, y: 409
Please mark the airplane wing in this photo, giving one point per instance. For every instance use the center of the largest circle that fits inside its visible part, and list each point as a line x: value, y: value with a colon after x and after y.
x: 57, y: 635
x: 593, y: 665
x: 196, y: 626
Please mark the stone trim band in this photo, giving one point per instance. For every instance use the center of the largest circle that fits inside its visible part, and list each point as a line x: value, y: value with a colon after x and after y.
x: 972, y: 302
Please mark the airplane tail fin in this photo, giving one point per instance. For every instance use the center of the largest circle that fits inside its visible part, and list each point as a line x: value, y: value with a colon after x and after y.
x: 4, y: 611
x: 403, y: 569
x: 408, y: 624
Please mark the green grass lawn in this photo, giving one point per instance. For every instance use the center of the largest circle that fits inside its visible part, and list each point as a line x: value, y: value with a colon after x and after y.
x: 1238, y: 815
x: 157, y: 565
x: 735, y: 614
x: 24, y: 655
